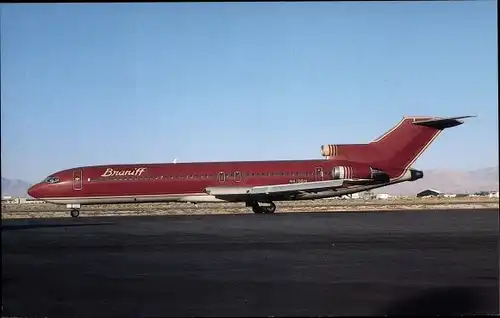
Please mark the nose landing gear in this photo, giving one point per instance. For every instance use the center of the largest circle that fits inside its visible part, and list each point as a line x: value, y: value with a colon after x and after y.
x: 75, y: 209
x: 75, y: 213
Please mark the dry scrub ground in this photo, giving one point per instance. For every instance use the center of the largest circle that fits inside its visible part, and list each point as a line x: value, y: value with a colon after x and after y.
x: 46, y: 210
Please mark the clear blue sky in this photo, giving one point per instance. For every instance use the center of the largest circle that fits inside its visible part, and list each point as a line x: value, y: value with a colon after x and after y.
x: 86, y: 84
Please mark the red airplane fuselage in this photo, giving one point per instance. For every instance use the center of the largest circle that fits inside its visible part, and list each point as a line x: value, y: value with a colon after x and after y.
x: 347, y: 169
x: 187, y: 181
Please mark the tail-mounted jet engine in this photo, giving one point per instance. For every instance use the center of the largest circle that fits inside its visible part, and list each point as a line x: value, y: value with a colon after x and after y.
x: 348, y: 172
x: 342, y: 150
x: 333, y: 150
x: 354, y: 152
x: 328, y: 150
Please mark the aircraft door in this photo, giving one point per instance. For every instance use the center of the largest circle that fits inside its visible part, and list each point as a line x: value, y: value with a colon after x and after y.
x: 77, y: 180
x: 318, y: 174
x: 237, y: 176
x: 221, y: 177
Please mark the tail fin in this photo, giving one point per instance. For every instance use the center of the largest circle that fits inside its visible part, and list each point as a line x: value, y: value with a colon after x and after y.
x: 400, y: 147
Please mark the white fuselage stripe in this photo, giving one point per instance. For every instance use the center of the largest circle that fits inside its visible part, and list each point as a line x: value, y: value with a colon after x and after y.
x: 128, y: 196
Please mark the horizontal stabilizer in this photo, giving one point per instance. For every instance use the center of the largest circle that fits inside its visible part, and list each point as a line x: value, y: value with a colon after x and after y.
x: 441, y: 123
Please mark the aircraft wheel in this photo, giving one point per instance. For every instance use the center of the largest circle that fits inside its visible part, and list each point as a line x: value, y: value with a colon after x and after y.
x: 257, y: 209
x: 75, y: 213
x: 271, y: 208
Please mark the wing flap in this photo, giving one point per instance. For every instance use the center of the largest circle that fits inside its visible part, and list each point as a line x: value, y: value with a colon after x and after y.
x: 273, y: 190
x: 227, y: 190
x: 296, y: 187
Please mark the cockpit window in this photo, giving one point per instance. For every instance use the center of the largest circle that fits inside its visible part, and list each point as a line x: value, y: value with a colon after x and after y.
x: 52, y: 179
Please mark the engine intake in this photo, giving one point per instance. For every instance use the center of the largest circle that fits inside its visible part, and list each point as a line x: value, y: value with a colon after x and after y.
x: 329, y: 150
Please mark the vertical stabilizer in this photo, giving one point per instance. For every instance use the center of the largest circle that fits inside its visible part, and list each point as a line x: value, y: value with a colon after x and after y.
x: 399, y: 147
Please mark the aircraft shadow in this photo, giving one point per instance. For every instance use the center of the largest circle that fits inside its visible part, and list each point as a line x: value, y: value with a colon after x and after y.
x: 449, y: 301
x: 13, y: 227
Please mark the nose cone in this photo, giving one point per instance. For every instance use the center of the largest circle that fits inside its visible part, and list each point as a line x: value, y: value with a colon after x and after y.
x: 34, y: 191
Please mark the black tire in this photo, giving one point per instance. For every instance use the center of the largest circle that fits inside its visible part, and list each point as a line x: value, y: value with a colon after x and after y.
x: 257, y: 209
x: 270, y: 209
x: 75, y: 213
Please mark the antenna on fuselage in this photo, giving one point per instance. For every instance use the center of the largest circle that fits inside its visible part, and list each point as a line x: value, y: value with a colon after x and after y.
x: 175, y: 160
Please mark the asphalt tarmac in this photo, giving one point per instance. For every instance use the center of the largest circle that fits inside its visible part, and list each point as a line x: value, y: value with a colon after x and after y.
x: 293, y: 264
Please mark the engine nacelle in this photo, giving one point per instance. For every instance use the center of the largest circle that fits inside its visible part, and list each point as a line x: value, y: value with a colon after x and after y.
x: 342, y: 172
x: 355, y: 152
x: 349, y: 172
x: 329, y: 150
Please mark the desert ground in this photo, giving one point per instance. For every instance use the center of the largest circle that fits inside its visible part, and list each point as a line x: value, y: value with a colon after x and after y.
x: 46, y: 210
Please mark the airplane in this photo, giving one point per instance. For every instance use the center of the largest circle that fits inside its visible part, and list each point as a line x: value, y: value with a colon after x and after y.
x: 345, y: 169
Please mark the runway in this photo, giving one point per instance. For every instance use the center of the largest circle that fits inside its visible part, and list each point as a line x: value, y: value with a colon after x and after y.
x: 288, y: 264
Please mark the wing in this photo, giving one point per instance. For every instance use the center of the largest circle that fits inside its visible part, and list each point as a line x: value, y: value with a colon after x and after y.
x: 274, y: 192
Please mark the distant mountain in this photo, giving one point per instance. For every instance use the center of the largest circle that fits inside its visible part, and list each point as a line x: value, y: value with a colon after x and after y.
x: 449, y: 181
x: 15, y: 188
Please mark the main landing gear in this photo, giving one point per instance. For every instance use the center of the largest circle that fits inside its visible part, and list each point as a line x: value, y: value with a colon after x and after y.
x: 267, y: 209
x: 75, y: 213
